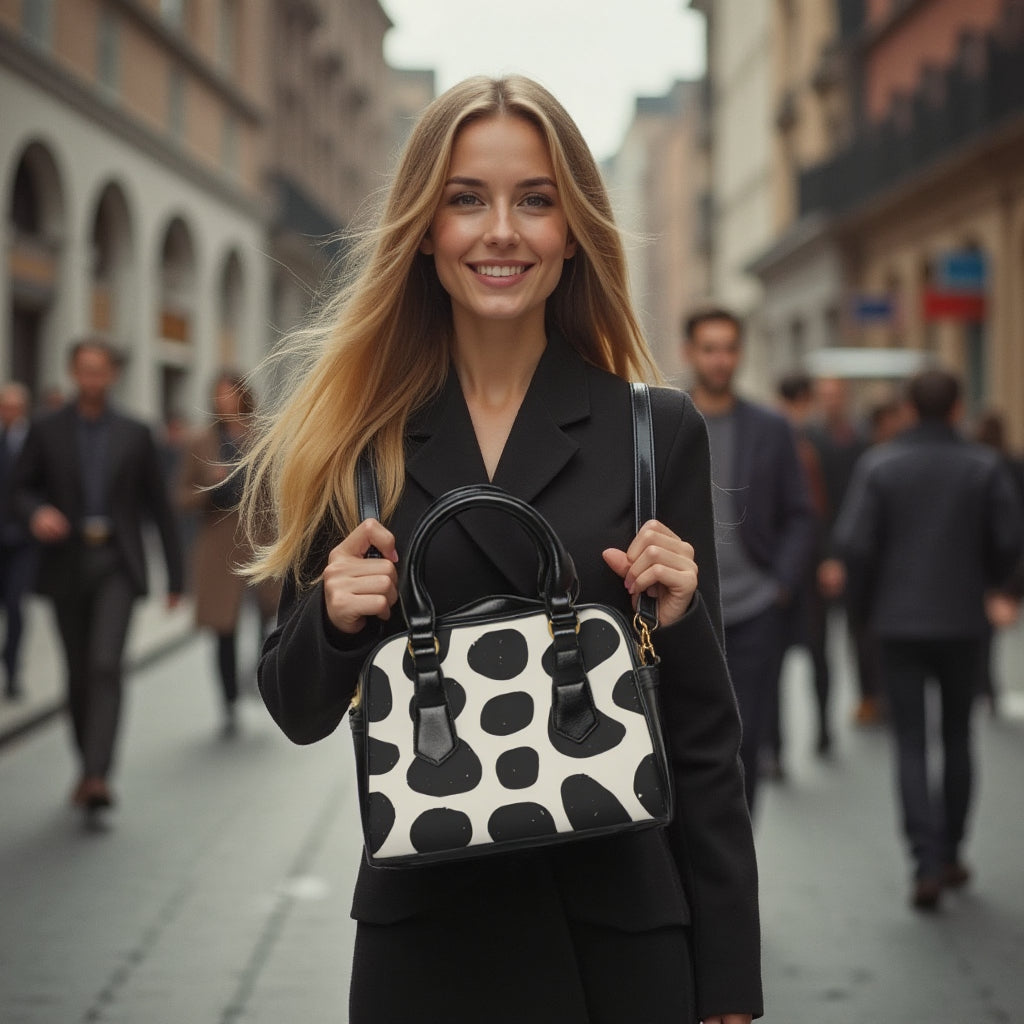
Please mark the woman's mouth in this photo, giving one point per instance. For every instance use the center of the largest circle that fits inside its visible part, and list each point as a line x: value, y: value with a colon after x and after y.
x: 503, y: 271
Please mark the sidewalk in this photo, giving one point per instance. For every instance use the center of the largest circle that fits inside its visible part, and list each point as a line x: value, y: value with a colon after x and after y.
x: 154, y: 631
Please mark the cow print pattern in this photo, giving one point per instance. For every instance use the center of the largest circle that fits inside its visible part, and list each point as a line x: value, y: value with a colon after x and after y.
x: 511, y: 778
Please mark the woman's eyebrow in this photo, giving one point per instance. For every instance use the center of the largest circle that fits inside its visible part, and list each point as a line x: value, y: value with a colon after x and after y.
x: 479, y: 183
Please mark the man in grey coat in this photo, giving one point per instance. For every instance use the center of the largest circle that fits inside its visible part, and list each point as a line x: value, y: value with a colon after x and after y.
x: 931, y: 521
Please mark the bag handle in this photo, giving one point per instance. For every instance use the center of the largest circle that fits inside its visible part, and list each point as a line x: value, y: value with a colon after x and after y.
x: 645, y: 503
x: 573, y: 712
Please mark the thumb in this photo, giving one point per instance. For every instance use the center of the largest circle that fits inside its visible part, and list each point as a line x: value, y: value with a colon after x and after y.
x: 617, y: 561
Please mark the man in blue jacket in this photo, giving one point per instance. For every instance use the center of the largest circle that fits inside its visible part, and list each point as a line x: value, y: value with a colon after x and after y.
x: 931, y: 521
x: 765, y: 525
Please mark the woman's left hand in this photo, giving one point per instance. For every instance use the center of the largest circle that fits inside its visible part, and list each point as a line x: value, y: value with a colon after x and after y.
x: 662, y: 564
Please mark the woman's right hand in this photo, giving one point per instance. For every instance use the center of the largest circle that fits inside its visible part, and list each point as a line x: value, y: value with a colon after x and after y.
x: 357, y: 587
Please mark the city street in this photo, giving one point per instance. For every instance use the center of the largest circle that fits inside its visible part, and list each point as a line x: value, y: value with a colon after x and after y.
x: 219, y: 891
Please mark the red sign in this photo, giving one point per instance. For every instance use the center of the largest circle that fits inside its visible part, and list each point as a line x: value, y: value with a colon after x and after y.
x: 954, y: 305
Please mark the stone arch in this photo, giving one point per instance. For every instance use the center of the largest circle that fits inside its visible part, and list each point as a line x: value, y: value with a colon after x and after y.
x: 37, y: 215
x: 231, y: 307
x: 112, y: 265
x: 177, y: 305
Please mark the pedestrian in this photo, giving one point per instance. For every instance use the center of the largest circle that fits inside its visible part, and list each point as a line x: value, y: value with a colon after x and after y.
x: 930, y: 523
x: 764, y: 522
x: 840, y: 443
x: 86, y: 478
x: 209, y: 488
x: 18, y: 550
x: 489, y: 336
x: 1002, y: 606
x: 809, y: 610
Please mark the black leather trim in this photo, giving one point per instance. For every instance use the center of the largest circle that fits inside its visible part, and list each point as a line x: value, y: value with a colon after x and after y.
x: 367, y: 493
x: 645, y: 493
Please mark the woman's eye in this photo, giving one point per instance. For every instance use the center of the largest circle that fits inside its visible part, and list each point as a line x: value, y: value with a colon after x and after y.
x: 464, y: 199
x: 535, y: 199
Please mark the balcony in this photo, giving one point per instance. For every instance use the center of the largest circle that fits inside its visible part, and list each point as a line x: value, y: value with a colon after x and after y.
x: 952, y: 108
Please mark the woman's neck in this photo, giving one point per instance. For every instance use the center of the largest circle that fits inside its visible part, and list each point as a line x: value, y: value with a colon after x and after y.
x: 495, y: 366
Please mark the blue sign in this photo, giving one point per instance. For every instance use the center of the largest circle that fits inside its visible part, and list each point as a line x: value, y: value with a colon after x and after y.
x: 873, y: 309
x: 961, y: 270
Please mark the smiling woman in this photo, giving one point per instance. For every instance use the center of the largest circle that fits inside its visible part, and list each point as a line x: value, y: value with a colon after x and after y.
x: 489, y: 337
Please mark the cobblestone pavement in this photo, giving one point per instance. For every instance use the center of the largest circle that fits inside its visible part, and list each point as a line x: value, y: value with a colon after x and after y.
x: 219, y: 890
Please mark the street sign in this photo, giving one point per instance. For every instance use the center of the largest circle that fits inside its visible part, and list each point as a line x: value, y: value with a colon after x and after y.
x: 961, y: 270
x: 965, y: 306
x: 873, y: 309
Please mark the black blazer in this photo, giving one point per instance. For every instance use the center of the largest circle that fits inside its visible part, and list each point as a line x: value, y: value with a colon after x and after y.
x: 48, y: 473
x: 930, y: 522
x: 570, y: 455
x: 777, y: 522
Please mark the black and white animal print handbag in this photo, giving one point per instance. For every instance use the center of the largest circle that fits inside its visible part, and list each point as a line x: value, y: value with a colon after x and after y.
x: 514, y: 722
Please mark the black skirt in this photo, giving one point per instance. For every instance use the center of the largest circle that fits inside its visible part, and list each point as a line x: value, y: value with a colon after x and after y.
x: 513, y: 957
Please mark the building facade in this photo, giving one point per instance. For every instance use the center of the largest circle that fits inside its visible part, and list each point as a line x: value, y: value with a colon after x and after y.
x: 742, y: 197
x: 658, y: 182
x: 167, y: 168
x: 926, y: 197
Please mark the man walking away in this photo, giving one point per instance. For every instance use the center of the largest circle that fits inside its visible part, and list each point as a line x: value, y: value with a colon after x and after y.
x: 931, y: 521
x: 765, y: 526
x: 18, y: 553
x: 85, y: 479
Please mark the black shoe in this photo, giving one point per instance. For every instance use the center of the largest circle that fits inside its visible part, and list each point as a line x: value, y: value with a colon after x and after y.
x: 955, y: 875
x: 772, y: 769
x: 926, y: 894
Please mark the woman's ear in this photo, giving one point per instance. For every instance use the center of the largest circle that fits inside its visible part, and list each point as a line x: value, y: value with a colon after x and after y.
x: 571, y: 245
x: 427, y: 246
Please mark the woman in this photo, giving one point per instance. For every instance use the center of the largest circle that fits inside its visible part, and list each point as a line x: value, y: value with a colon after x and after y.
x: 209, y: 488
x: 488, y: 336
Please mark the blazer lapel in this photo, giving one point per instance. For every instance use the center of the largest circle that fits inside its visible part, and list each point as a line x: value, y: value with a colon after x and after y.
x: 537, y: 449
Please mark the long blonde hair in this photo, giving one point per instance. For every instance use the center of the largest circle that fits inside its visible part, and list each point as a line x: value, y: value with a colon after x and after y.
x: 381, y: 344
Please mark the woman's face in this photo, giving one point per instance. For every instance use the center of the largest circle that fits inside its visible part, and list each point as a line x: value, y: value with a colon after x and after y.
x: 499, y: 237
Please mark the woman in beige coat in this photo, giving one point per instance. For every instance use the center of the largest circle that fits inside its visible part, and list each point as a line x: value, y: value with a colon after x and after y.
x: 208, y: 488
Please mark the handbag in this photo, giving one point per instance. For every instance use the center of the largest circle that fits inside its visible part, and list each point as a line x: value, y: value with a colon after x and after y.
x: 514, y: 722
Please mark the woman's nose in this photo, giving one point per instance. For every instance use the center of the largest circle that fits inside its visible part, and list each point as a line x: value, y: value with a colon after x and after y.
x: 500, y: 228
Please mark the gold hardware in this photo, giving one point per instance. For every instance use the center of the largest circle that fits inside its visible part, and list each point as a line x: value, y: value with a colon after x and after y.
x: 551, y: 628
x: 645, y: 645
x: 357, y: 698
x: 437, y: 647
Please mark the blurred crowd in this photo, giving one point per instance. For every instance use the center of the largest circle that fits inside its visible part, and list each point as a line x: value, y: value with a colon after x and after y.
x: 79, y: 483
x: 891, y: 518
x: 901, y: 524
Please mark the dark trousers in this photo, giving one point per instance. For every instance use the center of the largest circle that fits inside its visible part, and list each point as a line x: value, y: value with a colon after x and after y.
x: 753, y: 652
x: 93, y: 624
x: 933, y: 824
x: 17, y: 574
x: 807, y: 626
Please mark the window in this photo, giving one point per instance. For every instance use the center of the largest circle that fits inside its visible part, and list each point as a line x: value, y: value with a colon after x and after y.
x: 108, y: 61
x: 176, y: 105
x: 174, y: 12
x: 38, y: 22
x: 227, y: 36
x: 229, y: 144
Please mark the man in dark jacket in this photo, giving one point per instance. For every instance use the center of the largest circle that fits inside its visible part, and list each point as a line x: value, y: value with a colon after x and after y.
x: 17, y: 548
x: 764, y: 523
x: 930, y: 523
x: 85, y: 479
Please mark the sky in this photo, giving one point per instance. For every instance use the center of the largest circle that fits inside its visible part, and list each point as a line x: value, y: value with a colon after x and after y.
x: 596, y: 56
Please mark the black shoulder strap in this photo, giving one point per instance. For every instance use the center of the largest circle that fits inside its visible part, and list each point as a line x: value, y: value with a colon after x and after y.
x: 366, y: 492
x: 644, y: 498
x: 645, y: 495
